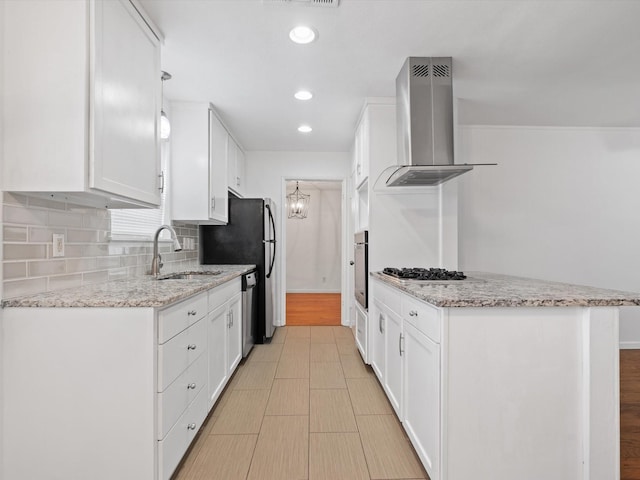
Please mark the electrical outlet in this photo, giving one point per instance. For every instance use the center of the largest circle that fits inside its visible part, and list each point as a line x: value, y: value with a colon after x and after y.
x: 58, y: 245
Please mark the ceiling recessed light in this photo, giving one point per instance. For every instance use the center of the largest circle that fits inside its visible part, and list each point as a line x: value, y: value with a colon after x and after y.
x: 303, y: 95
x: 302, y: 34
x: 304, y: 129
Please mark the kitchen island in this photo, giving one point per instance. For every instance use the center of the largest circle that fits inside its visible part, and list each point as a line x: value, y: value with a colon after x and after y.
x: 114, y: 380
x: 499, y: 377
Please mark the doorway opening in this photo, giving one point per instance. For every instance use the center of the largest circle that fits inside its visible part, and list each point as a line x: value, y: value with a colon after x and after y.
x: 314, y: 266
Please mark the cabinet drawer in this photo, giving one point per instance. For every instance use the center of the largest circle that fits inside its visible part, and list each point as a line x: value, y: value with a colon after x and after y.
x: 178, y: 353
x: 422, y: 316
x: 179, y: 395
x: 388, y: 296
x: 172, y: 448
x: 176, y: 318
x: 219, y: 295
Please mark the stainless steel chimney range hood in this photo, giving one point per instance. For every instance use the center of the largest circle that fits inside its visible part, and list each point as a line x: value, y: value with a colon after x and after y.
x: 424, y: 105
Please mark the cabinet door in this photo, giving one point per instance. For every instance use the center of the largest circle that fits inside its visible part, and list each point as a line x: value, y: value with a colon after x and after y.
x: 232, y: 162
x: 377, y: 332
x: 393, y: 361
x: 240, y: 169
x: 421, y: 397
x: 361, y: 331
x: 217, y: 351
x: 218, y: 141
x: 235, y: 332
x: 125, y: 153
x: 190, y: 158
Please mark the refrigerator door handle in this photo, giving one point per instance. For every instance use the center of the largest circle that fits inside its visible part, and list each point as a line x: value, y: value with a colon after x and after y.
x: 272, y: 240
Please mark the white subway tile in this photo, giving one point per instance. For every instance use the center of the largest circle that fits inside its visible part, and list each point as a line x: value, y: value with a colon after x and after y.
x: 65, y: 219
x: 77, y: 265
x: 14, y: 198
x: 47, y: 267
x: 112, y: 261
x: 23, y: 251
x: 95, y: 277
x: 12, y: 270
x: 25, y: 216
x: 15, y: 288
x: 14, y: 234
x: 81, y: 236
x: 65, y: 281
x: 46, y: 203
x: 43, y: 235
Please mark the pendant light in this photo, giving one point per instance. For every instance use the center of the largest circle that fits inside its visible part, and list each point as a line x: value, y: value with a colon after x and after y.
x: 297, y: 204
x: 165, y: 126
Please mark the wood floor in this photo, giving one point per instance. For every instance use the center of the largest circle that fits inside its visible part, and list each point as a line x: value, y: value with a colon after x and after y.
x: 313, y: 309
x: 303, y: 407
x: 630, y: 414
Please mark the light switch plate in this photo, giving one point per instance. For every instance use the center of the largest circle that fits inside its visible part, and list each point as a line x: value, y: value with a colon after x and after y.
x: 58, y: 245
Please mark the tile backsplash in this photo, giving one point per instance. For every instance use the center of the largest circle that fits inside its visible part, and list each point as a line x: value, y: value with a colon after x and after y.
x: 89, y: 254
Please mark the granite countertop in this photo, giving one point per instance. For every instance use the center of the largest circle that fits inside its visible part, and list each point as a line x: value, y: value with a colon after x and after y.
x: 495, y: 290
x: 133, y: 292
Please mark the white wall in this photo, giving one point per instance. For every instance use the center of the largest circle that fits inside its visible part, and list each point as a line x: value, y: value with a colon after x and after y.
x: 563, y: 204
x: 314, y: 253
x: 265, y: 172
x: 1, y: 234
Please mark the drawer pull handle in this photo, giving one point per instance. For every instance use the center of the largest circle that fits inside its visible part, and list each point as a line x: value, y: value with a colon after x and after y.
x: 191, y: 312
x: 191, y: 386
x: 191, y: 347
x: 191, y: 426
x: 413, y: 313
x: 400, y: 344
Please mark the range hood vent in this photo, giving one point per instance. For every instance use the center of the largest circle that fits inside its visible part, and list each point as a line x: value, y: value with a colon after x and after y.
x: 424, y: 103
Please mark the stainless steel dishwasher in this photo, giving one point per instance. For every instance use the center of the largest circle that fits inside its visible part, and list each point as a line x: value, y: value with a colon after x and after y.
x: 249, y: 311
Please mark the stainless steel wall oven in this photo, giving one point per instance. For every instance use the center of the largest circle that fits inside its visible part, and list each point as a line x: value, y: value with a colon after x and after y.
x: 361, y: 266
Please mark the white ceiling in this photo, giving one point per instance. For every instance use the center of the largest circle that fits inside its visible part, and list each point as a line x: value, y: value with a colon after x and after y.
x: 515, y: 62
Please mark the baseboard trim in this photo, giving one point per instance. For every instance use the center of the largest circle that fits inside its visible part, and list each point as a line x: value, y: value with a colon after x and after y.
x: 629, y: 345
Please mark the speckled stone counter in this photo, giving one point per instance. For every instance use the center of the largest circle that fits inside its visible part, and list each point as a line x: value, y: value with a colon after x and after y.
x: 495, y: 290
x: 135, y: 292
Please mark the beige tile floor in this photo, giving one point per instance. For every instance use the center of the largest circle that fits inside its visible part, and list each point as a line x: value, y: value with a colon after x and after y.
x: 303, y: 407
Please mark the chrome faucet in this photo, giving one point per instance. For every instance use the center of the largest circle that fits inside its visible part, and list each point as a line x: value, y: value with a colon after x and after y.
x: 156, y: 261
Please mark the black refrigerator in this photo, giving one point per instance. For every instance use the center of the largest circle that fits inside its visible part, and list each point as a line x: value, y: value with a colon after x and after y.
x: 248, y: 238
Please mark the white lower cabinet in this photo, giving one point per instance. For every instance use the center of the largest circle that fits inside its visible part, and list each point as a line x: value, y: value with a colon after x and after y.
x: 117, y: 392
x: 377, y: 338
x: 421, y: 396
x: 234, y: 341
x: 361, y: 332
x: 225, y: 335
x: 393, y: 361
x: 407, y: 362
x: 217, y: 352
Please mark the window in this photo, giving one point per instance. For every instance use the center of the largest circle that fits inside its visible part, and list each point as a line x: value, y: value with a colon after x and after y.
x: 134, y: 224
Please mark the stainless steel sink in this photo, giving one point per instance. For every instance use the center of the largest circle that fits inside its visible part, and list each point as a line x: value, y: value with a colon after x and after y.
x: 189, y: 275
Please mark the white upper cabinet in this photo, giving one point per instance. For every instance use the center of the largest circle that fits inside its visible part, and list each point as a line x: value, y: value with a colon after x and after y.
x: 361, y: 150
x: 198, y: 164
x: 235, y: 174
x: 82, y: 102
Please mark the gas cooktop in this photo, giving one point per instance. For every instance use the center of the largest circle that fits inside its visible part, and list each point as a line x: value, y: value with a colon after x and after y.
x: 424, y: 274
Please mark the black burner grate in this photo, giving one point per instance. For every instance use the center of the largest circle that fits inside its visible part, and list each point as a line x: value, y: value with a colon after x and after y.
x: 424, y: 273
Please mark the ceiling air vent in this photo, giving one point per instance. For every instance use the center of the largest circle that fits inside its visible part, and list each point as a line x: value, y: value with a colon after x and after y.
x: 309, y: 3
x: 421, y: 70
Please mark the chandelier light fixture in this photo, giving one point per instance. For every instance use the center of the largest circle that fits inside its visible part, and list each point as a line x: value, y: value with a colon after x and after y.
x: 297, y: 204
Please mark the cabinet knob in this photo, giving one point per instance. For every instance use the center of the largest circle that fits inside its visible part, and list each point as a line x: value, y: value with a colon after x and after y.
x: 191, y: 312
x: 191, y: 426
x: 191, y: 346
x: 191, y: 386
x: 413, y: 313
